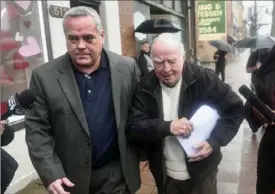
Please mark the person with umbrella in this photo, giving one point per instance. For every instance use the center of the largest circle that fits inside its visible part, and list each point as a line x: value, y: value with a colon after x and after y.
x: 261, y: 45
x: 254, y: 62
x: 144, y: 60
x: 220, y: 56
x: 265, y: 90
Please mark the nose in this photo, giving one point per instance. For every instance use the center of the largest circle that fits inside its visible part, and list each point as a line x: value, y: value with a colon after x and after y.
x: 166, y: 67
x: 81, y: 44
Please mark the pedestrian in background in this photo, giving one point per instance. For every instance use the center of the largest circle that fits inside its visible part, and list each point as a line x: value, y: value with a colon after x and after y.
x: 220, y: 58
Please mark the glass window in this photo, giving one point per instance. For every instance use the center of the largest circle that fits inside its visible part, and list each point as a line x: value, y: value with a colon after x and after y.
x: 20, y: 47
x: 178, y: 6
x: 168, y: 3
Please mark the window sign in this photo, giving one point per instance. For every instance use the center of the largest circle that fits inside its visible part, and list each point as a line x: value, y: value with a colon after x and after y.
x: 211, y: 17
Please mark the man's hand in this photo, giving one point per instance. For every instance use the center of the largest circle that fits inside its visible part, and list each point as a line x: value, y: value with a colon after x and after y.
x: 144, y: 165
x: 57, y: 188
x: 204, y: 150
x: 181, y: 127
x: 2, y: 128
x: 258, y: 65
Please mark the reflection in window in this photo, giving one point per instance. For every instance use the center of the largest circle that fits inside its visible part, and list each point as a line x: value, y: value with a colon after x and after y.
x: 20, y: 47
x: 179, y: 6
x: 168, y: 3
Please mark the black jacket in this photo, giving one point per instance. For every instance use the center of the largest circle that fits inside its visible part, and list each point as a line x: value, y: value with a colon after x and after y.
x: 7, y: 136
x: 201, y: 86
x: 219, y: 56
x: 8, y: 163
x: 142, y: 64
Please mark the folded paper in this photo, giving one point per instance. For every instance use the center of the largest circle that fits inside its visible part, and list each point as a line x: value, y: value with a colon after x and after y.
x: 204, y: 121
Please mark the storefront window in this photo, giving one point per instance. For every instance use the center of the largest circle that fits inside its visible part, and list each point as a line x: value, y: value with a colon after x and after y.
x: 168, y: 3
x: 20, y: 47
x: 178, y: 6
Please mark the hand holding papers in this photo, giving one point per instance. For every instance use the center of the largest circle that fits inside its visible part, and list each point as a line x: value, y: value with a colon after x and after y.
x: 182, y: 127
x: 204, y: 121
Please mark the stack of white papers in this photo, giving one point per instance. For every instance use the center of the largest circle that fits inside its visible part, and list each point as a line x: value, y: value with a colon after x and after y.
x: 204, y: 121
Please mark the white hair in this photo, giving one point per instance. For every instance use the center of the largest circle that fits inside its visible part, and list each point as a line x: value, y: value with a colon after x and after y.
x: 168, y: 37
x: 81, y: 11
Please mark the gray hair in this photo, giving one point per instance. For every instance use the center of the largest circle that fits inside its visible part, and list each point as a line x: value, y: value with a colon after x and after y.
x: 170, y: 37
x: 81, y: 11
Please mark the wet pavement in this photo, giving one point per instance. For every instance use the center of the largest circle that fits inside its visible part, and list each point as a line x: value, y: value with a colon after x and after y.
x: 237, y: 171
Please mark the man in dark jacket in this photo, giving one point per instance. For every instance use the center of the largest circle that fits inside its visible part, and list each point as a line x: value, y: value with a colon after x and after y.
x: 254, y: 62
x: 75, y: 130
x: 144, y: 60
x: 220, y: 57
x: 162, y: 106
x: 8, y: 163
x: 265, y: 90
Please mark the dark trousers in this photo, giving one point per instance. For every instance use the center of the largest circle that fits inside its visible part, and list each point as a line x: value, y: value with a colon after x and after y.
x: 8, y: 169
x: 221, y: 70
x: 108, y: 180
x: 208, y: 186
x: 266, y: 163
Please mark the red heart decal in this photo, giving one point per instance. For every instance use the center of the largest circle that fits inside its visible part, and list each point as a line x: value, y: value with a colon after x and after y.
x: 8, y: 44
x: 22, y: 65
x: 27, y: 23
x: 5, y: 33
x: 12, y: 11
x: 5, y: 79
x: 19, y: 62
x: 4, y: 107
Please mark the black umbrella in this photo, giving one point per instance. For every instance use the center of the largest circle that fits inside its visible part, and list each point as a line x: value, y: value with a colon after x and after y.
x: 157, y: 26
x: 256, y: 42
x: 220, y: 45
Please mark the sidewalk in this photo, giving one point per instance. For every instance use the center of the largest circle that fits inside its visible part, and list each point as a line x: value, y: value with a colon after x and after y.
x: 237, y: 172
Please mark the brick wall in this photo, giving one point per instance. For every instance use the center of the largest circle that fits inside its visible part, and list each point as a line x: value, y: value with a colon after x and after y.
x: 126, y: 17
x: 229, y: 17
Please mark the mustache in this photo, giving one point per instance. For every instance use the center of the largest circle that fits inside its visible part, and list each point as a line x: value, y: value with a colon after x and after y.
x: 166, y: 74
x: 81, y: 54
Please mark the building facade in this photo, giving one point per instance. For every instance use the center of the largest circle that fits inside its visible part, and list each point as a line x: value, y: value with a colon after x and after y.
x: 212, y: 24
x: 238, y: 28
x: 132, y: 13
x: 218, y: 20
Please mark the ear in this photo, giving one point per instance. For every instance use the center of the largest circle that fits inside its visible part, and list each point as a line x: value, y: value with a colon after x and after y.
x: 102, y: 35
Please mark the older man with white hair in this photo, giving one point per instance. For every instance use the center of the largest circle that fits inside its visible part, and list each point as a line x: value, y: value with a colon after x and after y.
x: 163, y: 103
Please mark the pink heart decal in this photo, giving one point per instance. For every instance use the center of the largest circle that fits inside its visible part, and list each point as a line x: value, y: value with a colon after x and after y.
x: 23, y: 4
x: 30, y: 49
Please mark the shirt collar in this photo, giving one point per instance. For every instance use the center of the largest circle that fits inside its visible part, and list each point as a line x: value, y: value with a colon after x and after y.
x: 104, y: 62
